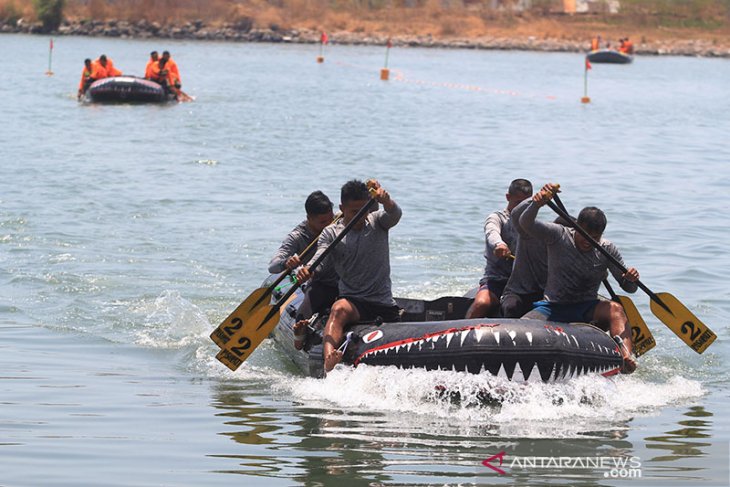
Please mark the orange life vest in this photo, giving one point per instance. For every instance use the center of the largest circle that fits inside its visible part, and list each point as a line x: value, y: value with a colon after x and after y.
x: 85, y: 76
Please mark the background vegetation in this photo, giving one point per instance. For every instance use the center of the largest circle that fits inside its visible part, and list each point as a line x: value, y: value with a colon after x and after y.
x: 440, y: 18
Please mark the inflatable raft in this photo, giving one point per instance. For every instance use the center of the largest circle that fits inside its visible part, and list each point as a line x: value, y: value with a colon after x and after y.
x: 127, y: 89
x: 609, y: 56
x: 433, y: 336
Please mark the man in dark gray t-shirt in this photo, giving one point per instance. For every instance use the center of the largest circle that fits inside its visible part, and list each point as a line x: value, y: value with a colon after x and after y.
x: 576, y: 269
x: 362, y: 260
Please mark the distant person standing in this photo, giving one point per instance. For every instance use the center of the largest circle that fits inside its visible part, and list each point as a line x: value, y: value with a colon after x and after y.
x: 500, y: 244
x: 596, y: 43
x: 86, y: 78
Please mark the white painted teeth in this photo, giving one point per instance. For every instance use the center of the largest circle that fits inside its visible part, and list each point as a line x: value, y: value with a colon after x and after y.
x: 528, y: 334
x: 449, y: 336
x: 496, y: 336
x: 464, y: 333
x: 478, y: 333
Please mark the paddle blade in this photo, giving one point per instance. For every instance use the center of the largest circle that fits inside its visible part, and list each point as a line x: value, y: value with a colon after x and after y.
x: 683, y: 323
x: 245, y: 340
x: 240, y: 315
x: 641, y: 337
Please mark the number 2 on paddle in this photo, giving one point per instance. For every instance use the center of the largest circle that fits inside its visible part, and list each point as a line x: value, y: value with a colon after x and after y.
x: 689, y: 327
x: 223, y: 333
x: 244, y: 343
x: 236, y: 323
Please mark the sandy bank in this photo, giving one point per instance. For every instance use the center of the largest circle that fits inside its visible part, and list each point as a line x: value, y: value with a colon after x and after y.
x: 242, y: 32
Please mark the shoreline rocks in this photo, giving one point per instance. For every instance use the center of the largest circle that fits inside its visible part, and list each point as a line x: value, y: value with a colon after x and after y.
x: 243, y: 31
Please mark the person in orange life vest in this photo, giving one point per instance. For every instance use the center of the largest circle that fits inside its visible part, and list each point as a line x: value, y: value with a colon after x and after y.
x: 86, y: 77
x: 154, y: 57
x: 596, y: 43
x: 628, y: 46
x: 161, y: 74
x: 105, y: 68
x: 172, y: 67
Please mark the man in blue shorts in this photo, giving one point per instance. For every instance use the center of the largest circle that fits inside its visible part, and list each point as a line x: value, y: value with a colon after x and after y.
x: 362, y: 260
x: 576, y: 269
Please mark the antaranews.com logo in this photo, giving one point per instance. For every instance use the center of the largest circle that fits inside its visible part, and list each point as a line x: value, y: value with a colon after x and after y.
x: 616, y: 467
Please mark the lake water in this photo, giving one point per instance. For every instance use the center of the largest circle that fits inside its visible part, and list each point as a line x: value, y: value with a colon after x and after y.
x: 127, y: 233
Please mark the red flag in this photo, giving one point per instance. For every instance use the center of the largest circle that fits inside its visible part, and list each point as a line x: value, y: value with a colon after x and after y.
x: 588, y: 65
x: 389, y: 44
x: 51, y: 44
x: 324, y: 39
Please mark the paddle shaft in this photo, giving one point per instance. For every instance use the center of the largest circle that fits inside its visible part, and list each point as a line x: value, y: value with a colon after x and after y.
x: 610, y: 290
x: 610, y: 257
x: 278, y: 280
x: 364, y: 210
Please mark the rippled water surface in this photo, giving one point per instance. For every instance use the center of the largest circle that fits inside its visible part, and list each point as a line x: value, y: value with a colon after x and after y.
x: 127, y: 233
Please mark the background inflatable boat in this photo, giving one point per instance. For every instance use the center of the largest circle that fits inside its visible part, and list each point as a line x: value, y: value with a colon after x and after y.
x: 127, y: 89
x: 609, y: 56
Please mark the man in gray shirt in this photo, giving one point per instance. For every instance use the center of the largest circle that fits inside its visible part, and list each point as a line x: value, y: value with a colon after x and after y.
x: 323, y: 289
x: 500, y: 239
x: 362, y: 260
x: 576, y: 269
x: 526, y: 283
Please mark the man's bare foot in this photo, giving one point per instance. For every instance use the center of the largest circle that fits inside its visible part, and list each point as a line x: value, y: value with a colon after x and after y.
x: 300, y: 333
x: 629, y: 365
x: 331, y: 359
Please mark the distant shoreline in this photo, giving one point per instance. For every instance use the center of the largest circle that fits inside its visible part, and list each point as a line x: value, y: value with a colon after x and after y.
x: 242, y: 33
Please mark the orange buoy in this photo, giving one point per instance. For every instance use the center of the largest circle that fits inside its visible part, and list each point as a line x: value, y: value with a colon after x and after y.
x: 384, y: 74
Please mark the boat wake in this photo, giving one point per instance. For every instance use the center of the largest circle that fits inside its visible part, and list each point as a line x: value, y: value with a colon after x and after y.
x: 582, y: 407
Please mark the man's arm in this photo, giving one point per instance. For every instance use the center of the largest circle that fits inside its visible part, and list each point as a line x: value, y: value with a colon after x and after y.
x: 626, y: 281
x: 327, y: 236
x: 517, y: 212
x: 547, y: 232
x: 287, y: 249
x: 392, y: 214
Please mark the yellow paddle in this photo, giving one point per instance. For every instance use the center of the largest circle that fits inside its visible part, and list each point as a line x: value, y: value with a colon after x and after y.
x: 666, y: 307
x: 264, y: 319
x: 255, y: 300
x: 641, y: 337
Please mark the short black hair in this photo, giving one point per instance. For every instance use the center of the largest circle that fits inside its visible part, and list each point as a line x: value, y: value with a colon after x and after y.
x: 354, y: 190
x: 153, y: 53
x: 317, y: 204
x: 520, y: 186
x: 87, y: 61
x: 592, y: 219
x: 562, y: 221
x: 102, y: 57
x: 166, y: 53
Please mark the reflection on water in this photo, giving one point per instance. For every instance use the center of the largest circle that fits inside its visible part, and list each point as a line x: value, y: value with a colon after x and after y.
x: 284, y: 439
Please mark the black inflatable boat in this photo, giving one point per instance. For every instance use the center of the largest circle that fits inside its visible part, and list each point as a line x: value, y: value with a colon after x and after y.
x: 433, y: 336
x: 127, y: 89
x: 609, y: 56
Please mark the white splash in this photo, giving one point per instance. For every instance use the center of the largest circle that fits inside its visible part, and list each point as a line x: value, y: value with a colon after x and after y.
x: 171, y: 322
x: 467, y: 401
